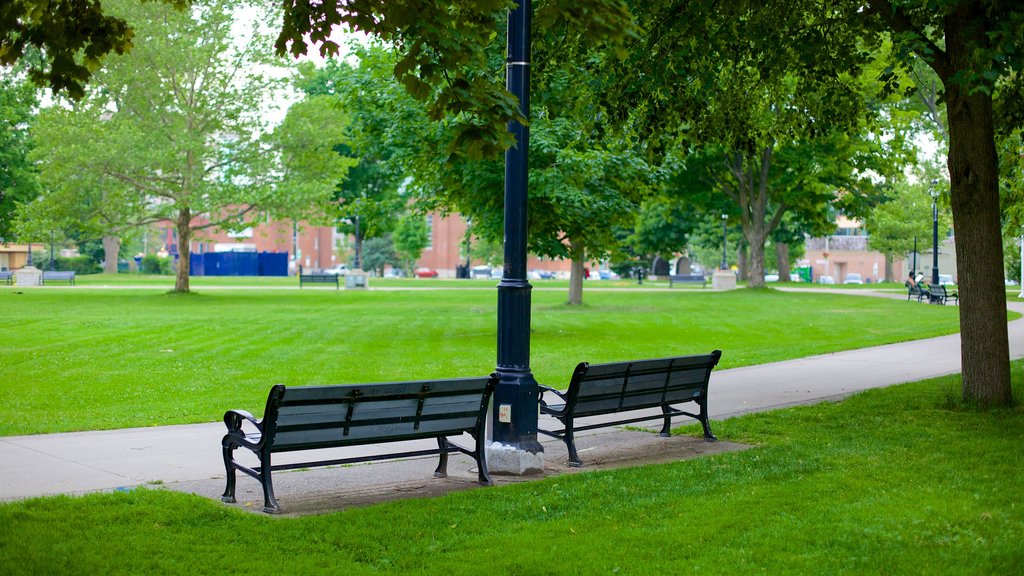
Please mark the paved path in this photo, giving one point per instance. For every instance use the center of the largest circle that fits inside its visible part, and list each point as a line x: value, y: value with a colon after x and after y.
x: 102, y: 460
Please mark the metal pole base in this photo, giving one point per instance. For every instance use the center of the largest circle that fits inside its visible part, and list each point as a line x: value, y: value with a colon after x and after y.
x: 514, y: 448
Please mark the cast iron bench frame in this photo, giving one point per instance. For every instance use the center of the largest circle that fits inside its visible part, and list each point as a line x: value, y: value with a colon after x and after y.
x: 688, y: 279
x: 7, y: 277
x: 314, y: 417
x: 319, y: 279
x: 598, y: 389
x: 58, y: 276
x: 939, y: 295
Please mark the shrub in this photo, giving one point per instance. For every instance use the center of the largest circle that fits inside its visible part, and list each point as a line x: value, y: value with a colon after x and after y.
x: 80, y: 265
x: 153, y: 264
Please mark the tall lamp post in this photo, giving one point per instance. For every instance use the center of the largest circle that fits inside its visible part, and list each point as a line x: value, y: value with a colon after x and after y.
x: 934, y: 191
x: 514, y: 448
x: 913, y: 267
x: 725, y: 262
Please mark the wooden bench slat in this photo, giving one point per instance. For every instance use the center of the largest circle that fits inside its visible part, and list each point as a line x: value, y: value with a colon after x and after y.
x: 379, y: 432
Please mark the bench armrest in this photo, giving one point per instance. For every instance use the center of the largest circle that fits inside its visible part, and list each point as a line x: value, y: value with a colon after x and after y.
x: 541, y: 389
x: 234, y: 419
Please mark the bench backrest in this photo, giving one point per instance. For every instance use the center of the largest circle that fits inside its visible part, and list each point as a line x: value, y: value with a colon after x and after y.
x: 54, y: 275
x: 328, y: 416
x: 607, y: 388
x: 687, y: 277
x: 6, y: 274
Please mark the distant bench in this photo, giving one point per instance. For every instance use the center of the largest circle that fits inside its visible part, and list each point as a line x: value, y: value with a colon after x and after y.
x: 319, y: 279
x: 55, y: 276
x: 313, y: 417
x: 599, y: 389
x: 688, y: 279
x: 7, y: 277
x: 915, y: 291
x: 940, y: 295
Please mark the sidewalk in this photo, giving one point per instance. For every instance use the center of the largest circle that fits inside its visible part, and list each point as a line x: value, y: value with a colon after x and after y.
x: 79, y: 462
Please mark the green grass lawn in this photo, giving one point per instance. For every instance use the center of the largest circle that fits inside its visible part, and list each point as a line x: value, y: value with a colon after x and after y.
x: 99, y: 359
x: 900, y: 480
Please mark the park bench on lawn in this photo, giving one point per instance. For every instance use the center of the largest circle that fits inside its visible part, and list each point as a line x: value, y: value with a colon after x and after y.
x: 600, y: 389
x: 7, y: 277
x: 939, y: 294
x: 688, y: 279
x: 314, y: 417
x: 58, y: 276
x: 319, y: 279
x: 915, y: 291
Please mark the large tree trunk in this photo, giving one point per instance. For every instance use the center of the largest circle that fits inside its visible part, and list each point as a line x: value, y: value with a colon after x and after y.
x: 184, y: 226
x: 111, y: 250
x: 782, y: 260
x: 742, y: 263
x: 974, y: 175
x: 756, y: 279
x: 890, y: 274
x: 577, y: 255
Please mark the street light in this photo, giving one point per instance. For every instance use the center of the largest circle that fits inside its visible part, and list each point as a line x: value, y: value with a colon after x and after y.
x: 514, y: 416
x: 725, y: 263
x: 913, y: 267
x: 934, y: 191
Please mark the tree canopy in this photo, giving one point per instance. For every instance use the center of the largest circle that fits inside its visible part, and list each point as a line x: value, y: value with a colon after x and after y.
x: 174, y: 129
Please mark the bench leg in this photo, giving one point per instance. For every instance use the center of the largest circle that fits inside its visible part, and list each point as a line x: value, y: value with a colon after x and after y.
x: 570, y: 445
x: 666, y: 429
x: 269, y: 502
x: 703, y: 402
x: 442, y: 464
x: 229, y: 488
x: 482, y: 473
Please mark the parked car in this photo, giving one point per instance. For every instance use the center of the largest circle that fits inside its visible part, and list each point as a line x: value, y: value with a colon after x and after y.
x: 794, y: 277
x: 771, y: 277
x: 826, y: 280
x: 946, y: 280
x: 853, y: 278
x: 480, y: 272
x: 541, y: 275
x: 394, y: 273
x: 338, y: 270
x: 426, y: 273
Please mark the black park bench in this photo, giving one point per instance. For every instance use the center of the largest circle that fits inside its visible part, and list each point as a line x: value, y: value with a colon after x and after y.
x: 319, y: 279
x: 688, y: 279
x: 600, y: 389
x: 915, y: 291
x: 313, y: 417
x: 58, y: 276
x: 7, y: 277
x: 940, y: 295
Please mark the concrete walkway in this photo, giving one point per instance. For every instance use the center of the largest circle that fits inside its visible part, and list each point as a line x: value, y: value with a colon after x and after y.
x: 80, y: 462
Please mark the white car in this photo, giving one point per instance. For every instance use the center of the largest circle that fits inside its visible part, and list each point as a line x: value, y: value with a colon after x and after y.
x: 338, y: 270
x: 826, y: 280
x: 771, y: 277
x: 946, y: 280
x: 853, y: 278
